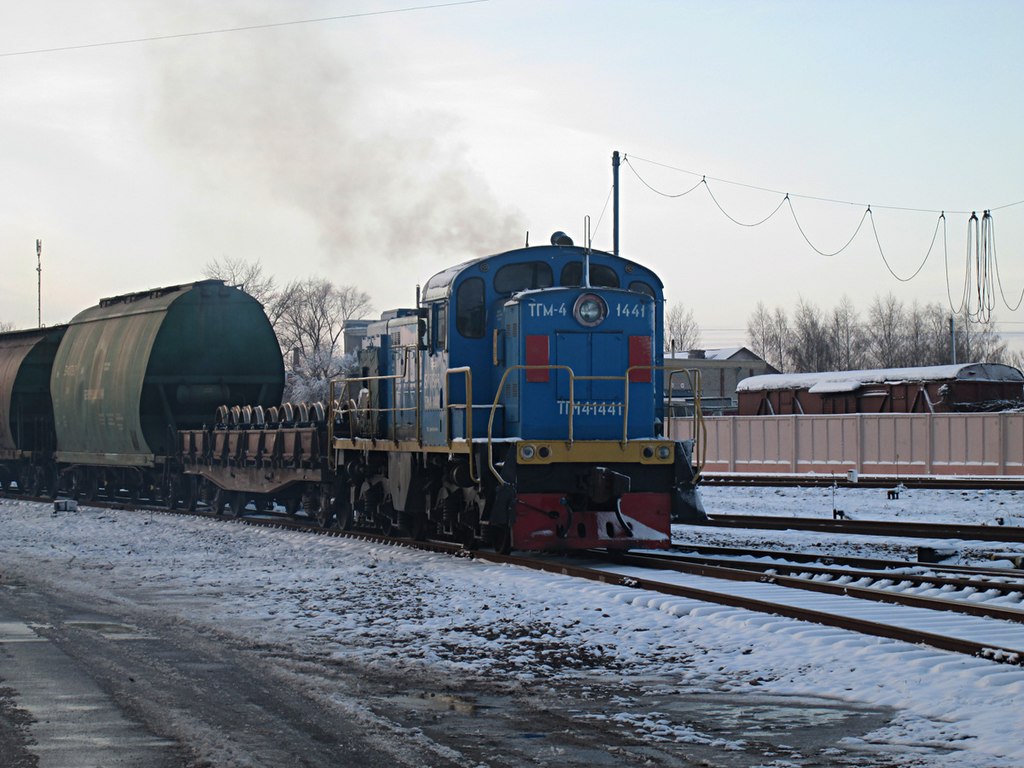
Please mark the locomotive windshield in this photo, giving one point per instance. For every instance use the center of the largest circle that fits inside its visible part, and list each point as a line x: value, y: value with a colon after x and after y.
x: 601, y: 276
x: 524, y: 276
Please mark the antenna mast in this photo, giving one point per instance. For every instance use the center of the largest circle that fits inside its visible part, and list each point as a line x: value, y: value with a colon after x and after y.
x: 39, y: 283
x: 615, y: 202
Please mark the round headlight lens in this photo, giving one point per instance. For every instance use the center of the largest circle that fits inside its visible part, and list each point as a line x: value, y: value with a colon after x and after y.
x: 527, y: 452
x: 663, y: 452
x: 590, y: 310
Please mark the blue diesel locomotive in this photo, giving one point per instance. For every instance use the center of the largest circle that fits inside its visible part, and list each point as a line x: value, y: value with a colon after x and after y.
x: 521, y: 403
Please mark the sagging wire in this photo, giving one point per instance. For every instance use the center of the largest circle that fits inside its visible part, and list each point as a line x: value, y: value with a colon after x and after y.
x: 941, y: 220
x: 848, y: 243
x: 981, y: 273
x: 605, y: 208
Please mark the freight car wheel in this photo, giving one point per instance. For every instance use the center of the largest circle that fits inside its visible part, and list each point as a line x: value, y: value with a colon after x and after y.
x: 52, y: 479
x: 35, y: 485
x: 237, y: 502
x: 92, y: 486
x: 191, y: 493
x: 24, y: 479
x: 172, y: 498
x: 220, y: 499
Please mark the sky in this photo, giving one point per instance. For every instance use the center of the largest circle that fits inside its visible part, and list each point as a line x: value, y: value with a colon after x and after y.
x: 376, y: 150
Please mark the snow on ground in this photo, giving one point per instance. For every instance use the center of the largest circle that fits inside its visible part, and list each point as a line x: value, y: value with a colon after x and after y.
x: 395, y: 608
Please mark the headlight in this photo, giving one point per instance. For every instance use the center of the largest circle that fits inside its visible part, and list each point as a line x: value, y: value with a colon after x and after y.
x: 663, y: 452
x: 527, y: 452
x: 590, y: 310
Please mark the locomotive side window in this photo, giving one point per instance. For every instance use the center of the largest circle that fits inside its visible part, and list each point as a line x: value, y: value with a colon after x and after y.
x: 639, y: 286
x: 438, y: 326
x: 469, y: 308
x: 601, y: 276
x: 523, y: 277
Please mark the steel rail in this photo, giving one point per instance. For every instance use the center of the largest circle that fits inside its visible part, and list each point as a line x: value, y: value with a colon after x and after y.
x: 824, y: 618
x: 957, y: 482
x: 874, y: 594
x: 878, y: 575
x: 1010, y: 533
x: 855, y: 562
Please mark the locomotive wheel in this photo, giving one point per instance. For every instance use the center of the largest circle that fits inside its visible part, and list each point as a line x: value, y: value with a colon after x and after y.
x: 416, y: 525
x: 501, y: 536
x: 343, y: 510
x: 324, y: 510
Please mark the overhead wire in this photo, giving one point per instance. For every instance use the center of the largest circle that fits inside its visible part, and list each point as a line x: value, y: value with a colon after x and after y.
x: 981, y: 279
x: 247, y: 28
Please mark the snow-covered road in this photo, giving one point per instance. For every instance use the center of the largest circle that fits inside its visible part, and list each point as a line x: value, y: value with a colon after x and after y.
x: 689, y: 680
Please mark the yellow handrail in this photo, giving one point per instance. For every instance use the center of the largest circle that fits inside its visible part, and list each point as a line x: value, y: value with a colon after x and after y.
x: 468, y: 405
x: 497, y: 396
x: 343, y: 384
x: 700, y: 435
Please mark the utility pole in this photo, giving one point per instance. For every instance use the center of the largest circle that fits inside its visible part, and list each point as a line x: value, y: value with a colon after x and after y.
x: 952, y: 340
x: 39, y: 283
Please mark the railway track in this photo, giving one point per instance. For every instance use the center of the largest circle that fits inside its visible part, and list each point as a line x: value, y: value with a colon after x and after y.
x: 865, y: 481
x: 990, y: 632
x: 1002, y: 533
x: 870, y: 563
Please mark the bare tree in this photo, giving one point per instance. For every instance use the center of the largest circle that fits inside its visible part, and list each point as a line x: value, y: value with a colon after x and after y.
x: 681, y: 330
x: 247, y: 275
x: 846, y: 337
x: 6, y: 325
x: 759, y: 330
x: 310, y: 325
x: 768, y: 335
x: 886, y: 341
x: 808, y: 342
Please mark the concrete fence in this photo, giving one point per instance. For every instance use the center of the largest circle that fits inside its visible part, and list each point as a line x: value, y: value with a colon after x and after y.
x: 905, y: 444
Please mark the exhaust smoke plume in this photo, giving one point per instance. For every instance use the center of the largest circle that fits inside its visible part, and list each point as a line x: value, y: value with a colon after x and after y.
x: 288, y: 120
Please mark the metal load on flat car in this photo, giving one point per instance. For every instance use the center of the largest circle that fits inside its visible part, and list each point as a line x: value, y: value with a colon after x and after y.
x: 94, y: 406
x: 515, y: 404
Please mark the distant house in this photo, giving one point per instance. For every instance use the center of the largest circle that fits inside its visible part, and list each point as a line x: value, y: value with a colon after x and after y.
x: 720, y: 370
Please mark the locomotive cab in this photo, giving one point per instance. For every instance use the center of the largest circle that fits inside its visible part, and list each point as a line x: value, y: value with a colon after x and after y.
x: 520, y: 402
x: 569, y: 350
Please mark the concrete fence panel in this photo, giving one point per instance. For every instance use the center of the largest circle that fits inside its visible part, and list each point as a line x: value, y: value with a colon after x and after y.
x: 910, y: 444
